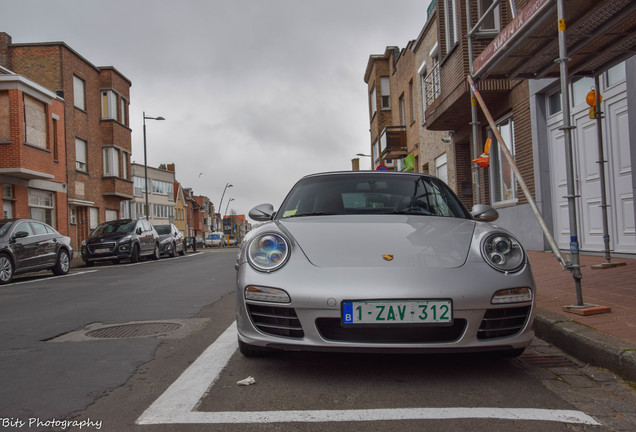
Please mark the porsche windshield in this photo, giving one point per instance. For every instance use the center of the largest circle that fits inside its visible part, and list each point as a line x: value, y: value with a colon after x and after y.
x: 372, y: 193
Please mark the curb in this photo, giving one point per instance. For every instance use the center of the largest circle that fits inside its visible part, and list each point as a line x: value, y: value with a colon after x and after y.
x: 587, y: 344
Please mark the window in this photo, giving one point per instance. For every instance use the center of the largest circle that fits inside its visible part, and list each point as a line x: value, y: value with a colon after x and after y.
x: 163, y: 211
x: 124, y: 209
x: 138, y: 186
x: 450, y: 20
x: 374, y: 105
x: 402, y: 110
x: 412, y: 96
x: 80, y: 155
x: 109, y: 105
x: 161, y: 187
x: 431, y: 83
x: 55, y: 144
x: 491, y: 22
x: 111, y: 161
x: 554, y: 103
x: 122, y: 111
x: 124, y: 165
x: 503, y: 182
x: 385, y: 92
x: 94, y: 217
x: 616, y: 75
x: 73, y: 216
x: 580, y: 89
x: 7, y: 201
x: 42, y: 206
x: 35, y: 122
x: 441, y: 168
x: 422, y: 77
x: 78, y: 93
x: 5, y: 125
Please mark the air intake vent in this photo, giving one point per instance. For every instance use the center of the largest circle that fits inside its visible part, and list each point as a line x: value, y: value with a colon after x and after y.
x: 505, y: 322
x: 276, y: 320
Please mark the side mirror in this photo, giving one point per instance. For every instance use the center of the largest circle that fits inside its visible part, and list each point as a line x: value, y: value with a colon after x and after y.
x: 484, y: 213
x: 262, y: 213
x: 20, y: 234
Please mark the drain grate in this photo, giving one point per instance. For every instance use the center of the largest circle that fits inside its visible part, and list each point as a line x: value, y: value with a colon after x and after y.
x: 133, y: 330
x: 547, y: 361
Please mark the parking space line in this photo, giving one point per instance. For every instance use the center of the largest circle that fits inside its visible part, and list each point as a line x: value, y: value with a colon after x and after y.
x: 178, y: 403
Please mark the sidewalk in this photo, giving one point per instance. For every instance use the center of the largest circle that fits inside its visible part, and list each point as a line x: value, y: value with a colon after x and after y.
x: 607, y: 340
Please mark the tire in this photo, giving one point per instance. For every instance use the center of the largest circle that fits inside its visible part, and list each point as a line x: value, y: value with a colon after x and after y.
x: 173, y: 250
x: 134, y: 256
x: 251, y: 350
x: 63, y: 263
x: 155, y: 253
x: 182, y: 251
x: 6, y: 269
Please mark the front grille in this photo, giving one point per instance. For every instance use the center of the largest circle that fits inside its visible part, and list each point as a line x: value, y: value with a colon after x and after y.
x: 504, y: 322
x: 332, y: 329
x: 102, y: 247
x: 276, y: 320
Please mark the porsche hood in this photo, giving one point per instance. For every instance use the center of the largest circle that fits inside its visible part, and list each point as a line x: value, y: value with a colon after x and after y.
x: 387, y: 240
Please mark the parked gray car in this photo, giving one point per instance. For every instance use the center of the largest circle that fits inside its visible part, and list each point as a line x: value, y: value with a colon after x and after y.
x: 381, y: 261
x: 29, y: 245
x: 171, y: 240
x: 128, y: 239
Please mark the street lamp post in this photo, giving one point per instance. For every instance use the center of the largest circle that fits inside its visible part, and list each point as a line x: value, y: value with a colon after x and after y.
x: 228, y: 204
x: 227, y: 185
x: 146, y: 162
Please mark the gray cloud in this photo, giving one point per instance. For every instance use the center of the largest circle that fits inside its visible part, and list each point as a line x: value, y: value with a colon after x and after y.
x: 255, y: 92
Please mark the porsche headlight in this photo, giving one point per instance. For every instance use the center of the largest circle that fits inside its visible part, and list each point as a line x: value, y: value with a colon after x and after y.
x: 503, y: 252
x: 268, y: 252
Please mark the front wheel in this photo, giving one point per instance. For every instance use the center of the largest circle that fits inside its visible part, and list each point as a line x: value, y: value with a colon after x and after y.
x: 63, y: 263
x: 155, y: 253
x: 6, y: 269
x: 134, y: 256
x: 173, y: 250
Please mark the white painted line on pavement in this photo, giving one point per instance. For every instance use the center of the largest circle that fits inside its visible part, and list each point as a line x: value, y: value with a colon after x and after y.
x: 177, y: 404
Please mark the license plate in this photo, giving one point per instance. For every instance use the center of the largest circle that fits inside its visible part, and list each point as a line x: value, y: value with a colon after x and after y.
x: 102, y: 250
x: 397, y: 312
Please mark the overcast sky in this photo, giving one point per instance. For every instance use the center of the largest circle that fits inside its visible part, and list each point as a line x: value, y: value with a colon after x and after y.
x: 256, y: 93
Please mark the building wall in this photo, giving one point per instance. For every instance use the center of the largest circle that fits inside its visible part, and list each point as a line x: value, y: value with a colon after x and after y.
x: 154, y: 198
x: 90, y: 194
x: 37, y: 166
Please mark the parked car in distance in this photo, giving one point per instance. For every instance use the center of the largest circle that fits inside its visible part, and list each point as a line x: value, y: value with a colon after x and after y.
x: 171, y: 240
x: 215, y: 239
x: 29, y: 245
x: 128, y: 239
x: 381, y: 261
x: 199, y: 242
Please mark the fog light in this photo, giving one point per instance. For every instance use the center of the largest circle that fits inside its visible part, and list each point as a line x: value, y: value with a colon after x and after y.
x: 266, y: 294
x: 512, y: 295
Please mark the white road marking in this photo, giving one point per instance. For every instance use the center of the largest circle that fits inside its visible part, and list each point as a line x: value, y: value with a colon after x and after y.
x: 178, y: 403
x: 40, y: 279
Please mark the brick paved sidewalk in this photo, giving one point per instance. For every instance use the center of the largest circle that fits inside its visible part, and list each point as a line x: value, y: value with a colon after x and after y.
x: 612, y: 287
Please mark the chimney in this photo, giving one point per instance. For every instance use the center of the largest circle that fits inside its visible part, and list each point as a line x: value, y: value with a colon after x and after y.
x: 5, y: 41
x: 171, y: 167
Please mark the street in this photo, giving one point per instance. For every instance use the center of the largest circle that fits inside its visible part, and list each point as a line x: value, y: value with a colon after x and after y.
x: 63, y: 364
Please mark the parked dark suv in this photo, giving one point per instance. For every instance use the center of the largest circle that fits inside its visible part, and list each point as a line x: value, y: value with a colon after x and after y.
x: 121, y: 239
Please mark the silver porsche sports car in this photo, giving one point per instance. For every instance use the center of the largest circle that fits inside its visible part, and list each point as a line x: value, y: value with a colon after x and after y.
x: 381, y: 261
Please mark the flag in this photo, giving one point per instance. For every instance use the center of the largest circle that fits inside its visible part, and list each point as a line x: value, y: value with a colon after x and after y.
x: 484, y: 159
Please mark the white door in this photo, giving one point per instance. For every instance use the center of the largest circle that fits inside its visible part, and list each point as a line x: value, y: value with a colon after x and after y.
x: 618, y: 177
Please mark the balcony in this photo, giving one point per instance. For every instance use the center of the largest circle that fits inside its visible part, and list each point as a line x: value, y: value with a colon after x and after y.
x: 115, y: 186
x: 393, y: 143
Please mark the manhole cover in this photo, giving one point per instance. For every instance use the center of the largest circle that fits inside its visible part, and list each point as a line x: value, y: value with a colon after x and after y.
x: 133, y: 330
x: 547, y: 361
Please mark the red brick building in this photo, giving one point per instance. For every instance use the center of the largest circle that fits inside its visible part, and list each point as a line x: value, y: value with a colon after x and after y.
x: 32, y: 152
x: 98, y: 138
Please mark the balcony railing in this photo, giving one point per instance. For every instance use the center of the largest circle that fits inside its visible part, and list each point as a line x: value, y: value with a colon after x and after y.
x: 432, y: 85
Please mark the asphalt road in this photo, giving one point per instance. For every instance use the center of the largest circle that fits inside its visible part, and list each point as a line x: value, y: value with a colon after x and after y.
x: 186, y: 380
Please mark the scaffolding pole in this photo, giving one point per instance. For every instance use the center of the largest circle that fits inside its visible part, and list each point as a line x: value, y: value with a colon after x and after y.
x: 518, y: 176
